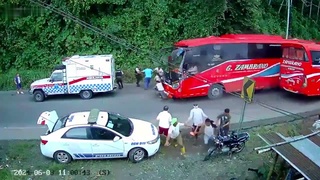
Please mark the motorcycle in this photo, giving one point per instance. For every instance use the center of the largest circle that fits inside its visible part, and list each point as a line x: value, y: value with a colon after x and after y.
x: 233, y: 143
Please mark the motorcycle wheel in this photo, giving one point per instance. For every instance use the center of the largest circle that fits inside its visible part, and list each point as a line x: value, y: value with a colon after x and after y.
x: 211, y: 151
x: 240, y: 147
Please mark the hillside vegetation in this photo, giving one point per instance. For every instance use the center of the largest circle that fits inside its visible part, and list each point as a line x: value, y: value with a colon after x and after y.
x: 34, y: 41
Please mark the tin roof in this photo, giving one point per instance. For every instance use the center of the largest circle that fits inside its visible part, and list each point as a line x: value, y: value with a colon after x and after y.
x: 302, y: 155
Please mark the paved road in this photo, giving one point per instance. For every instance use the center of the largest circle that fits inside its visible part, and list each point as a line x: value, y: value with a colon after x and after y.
x: 19, y: 113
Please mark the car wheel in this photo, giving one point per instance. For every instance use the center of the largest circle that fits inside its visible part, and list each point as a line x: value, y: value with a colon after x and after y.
x: 86, y: 94
x: 137, y: 154
x: 62, y: 157
x: 216, y: 91
x: 38, y: 96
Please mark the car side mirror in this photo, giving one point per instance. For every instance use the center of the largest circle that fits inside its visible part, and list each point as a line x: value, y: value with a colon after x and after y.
x: 50, y: 80
x: 115, y: 139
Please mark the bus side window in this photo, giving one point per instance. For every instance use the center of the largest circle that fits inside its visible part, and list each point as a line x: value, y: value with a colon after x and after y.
x: 201, y: 57
x: 260, y: 51
x: 273, y: 51
x: 234, y: 51
x: 315, y: 57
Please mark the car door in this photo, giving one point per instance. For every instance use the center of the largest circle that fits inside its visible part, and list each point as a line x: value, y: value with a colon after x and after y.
x: 58, y: 84
x: 77, y: 142
x: 106, y: 144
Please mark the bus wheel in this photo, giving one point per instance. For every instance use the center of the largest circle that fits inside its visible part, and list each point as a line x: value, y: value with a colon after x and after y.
x: 215, y: 91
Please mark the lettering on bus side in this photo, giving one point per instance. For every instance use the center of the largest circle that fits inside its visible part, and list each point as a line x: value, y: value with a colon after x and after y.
x: 243, y: 67
x: 293, y: 63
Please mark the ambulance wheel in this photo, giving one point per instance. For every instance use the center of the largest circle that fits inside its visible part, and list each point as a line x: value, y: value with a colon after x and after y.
x: 38, y: 96
x: 216, y: 91
x: 86, y: 94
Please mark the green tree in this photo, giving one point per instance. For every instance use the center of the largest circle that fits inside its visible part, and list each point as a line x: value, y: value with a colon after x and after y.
x: 33, y: 43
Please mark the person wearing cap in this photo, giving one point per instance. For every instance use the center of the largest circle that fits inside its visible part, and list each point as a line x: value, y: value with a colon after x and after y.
x: 175, y: 134
x: 197, y: 116
x: 164, y: 118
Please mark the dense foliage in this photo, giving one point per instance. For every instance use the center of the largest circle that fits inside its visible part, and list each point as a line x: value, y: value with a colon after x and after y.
x: 34, y: 41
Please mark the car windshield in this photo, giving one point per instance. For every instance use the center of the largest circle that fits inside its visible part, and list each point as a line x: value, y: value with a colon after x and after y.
x: 120, y: 124
x: 60, y: 123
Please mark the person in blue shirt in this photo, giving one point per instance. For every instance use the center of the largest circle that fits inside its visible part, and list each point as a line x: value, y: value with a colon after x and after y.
x: 147, y: 77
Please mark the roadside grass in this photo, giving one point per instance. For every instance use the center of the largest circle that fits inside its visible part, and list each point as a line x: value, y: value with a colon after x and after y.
x: 167, y: 164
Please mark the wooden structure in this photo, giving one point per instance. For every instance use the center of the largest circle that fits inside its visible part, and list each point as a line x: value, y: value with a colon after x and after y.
x: 303, y: 154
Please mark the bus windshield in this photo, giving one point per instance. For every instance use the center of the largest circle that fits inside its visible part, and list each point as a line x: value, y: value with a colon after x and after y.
x: 176, y: 58
x: 174, y: 64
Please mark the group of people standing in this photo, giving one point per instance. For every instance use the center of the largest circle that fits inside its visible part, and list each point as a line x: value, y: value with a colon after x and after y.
x: 201, y: 124
x: 148, y: 73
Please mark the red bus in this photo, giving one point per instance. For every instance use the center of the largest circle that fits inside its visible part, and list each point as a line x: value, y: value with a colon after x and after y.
x: 211, y: 65
x: 300, y: 68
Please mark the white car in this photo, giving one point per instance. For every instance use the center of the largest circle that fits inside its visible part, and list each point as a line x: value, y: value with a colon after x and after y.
x: 97, y: 134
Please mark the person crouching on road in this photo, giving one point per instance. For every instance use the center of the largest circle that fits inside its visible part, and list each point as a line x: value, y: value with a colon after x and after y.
x: 175, y: 134
x: 197, y: 116
x: 119, y: 75
x: 157, y: 78
x: 159, y: 72
x: 164, y: 118
x: 160, y: 89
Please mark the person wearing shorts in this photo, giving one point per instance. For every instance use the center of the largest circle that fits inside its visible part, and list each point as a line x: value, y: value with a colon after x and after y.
x: 164, y: 118
x: 17, y: 81
x: 175, y: 134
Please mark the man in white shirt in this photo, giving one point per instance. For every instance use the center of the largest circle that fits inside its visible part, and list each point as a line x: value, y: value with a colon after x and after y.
x: 164, y: 118
x: 159, y: 71
x: 197, y: 116
x: 175, y: 134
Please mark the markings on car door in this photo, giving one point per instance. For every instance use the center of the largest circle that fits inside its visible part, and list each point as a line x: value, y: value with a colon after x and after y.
x: 138, y: 143
x: 153, y: 130
x: 98, y: 155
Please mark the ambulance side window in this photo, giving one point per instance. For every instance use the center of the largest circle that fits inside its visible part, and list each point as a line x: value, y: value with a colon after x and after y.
x: 57, y: 76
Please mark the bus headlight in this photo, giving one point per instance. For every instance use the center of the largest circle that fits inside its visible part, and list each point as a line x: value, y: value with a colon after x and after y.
x: 175, y: 85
